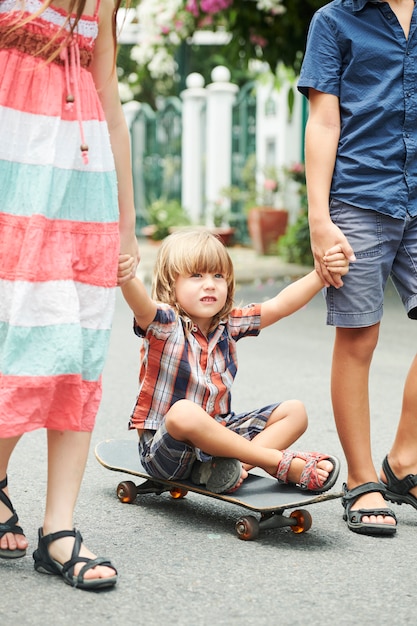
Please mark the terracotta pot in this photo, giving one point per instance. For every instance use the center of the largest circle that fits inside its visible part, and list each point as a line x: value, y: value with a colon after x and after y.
x: 266, y: 225
x: 225, y: 234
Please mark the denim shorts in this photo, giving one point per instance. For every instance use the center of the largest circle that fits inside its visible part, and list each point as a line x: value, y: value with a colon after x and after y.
x: 384, y: 246
x: 165, y: 457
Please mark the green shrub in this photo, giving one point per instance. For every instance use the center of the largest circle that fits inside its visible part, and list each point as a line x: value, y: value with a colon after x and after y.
x: 294, y: 246
x: 166, y: 214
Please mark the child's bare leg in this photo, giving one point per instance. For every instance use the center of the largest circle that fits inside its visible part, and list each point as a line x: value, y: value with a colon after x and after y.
x: 352, y: 358
x: 67, y: 457
x: 9, y: 541
x: 285, y: 425
x: 187, y: 422
x: 403, y: 454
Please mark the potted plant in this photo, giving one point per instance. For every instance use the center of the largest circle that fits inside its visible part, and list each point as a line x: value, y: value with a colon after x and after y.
x: 266, y: 223
x: 220, y: 218
x: 163, y: 216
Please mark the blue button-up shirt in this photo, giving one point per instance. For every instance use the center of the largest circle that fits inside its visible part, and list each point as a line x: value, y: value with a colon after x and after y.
x: 357, y: 51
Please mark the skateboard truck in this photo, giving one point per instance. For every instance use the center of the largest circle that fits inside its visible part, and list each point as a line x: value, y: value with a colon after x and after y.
x: 247, y: 527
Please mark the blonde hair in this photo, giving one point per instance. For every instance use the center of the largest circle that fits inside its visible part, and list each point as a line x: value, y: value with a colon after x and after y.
x: 189, y: 251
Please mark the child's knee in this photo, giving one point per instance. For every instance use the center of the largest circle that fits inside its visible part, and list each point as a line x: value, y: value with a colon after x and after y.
x: 178, y: 417
x: 296, y: 411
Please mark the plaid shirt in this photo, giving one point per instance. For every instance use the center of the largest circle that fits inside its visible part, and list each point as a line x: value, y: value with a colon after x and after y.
x: 176, y: 365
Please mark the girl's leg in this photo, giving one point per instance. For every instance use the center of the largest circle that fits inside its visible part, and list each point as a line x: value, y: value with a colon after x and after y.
x: 67, y: 457
x: 352, y: 356
x: 403, y: 454
x: 9, y: 541
x: 188, y: 422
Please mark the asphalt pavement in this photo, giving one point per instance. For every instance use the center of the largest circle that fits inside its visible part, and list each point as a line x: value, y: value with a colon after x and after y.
x: 180, y: 562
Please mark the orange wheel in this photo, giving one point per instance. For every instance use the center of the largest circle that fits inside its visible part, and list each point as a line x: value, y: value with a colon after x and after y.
x: 177, y: 493
x: 247, y: 528
x: 304, y: 521
x: 126, y: 492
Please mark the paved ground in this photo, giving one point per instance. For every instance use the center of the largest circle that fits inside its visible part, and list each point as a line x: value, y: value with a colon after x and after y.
x: 180, y: 561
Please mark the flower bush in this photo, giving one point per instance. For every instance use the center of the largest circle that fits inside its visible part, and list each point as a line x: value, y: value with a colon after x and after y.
x: 269, y: 30
x: 252, y: 192
x: 296, y: 172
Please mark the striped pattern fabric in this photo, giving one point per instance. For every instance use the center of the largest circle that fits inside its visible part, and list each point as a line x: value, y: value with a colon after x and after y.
x: 59, y: 238
x: 176, y: 365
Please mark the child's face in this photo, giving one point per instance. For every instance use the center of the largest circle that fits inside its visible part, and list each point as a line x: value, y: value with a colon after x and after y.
x: 202, y: 296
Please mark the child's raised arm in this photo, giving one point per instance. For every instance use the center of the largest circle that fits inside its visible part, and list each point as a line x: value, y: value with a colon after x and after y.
x: 135, y: 294
x: 299, y: 293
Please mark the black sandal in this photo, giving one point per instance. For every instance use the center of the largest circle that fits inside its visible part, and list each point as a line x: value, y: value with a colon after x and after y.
x: 354, y: 518
x: 397, y: 489
x: 47, y: 565
x: 10, y: 526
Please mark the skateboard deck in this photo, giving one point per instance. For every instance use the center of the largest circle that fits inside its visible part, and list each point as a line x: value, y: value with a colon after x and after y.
x: 258, y: 493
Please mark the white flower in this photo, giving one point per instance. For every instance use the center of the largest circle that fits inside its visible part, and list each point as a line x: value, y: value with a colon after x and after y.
x: 125, y: 93
x: 270, y: 6
x: 144, y: 53
x: 162, y: 64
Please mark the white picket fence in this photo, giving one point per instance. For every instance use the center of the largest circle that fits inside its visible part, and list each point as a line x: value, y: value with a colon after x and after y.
x: 207, y: 136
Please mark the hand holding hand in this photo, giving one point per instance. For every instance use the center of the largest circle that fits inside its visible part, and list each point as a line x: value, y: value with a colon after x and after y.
x: 336, y: 263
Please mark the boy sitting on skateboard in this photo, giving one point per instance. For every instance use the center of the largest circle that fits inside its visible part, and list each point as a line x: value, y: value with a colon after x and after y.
x: 190, y: 327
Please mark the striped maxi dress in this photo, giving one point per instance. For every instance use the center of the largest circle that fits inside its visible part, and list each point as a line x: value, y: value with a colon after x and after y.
x: 59, y: 237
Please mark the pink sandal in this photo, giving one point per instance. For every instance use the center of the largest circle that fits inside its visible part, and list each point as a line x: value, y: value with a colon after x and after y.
x: 309, y: 479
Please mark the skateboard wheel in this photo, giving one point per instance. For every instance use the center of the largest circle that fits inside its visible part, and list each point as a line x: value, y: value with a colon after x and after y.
x: 126, y: 492
x: 178, y: 493
x: 303, y: 521
x: 247, y: 528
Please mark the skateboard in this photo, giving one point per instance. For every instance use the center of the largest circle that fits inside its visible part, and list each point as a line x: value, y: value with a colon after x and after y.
x: 259, y: 494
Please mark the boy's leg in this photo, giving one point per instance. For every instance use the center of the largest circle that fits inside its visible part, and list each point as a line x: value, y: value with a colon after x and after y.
x: 403, y: 455
x: 356, y: 310
x: 187, y: 422
x: 287, y: 422
x: 352, y: 356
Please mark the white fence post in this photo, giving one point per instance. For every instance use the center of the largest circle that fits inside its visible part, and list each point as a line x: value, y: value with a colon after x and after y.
x: 221, y: 95
x: 194, y: 100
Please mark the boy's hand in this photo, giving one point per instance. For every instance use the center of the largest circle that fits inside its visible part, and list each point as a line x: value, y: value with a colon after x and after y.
x: 126, y: 268
x: 336, y: 262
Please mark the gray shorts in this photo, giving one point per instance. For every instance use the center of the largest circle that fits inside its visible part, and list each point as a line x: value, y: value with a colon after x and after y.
x: 384, y: 246
x: 165, y: 457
